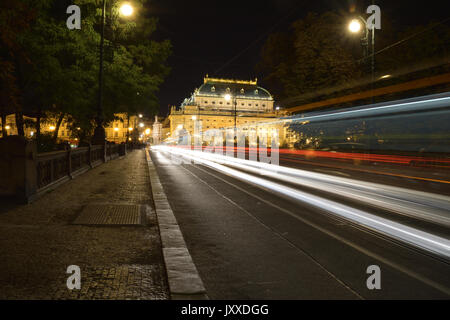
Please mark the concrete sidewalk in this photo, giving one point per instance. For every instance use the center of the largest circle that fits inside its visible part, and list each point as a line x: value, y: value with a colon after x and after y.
x: 39, y: 241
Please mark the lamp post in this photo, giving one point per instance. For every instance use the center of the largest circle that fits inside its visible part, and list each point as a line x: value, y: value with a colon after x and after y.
x: 355, y: 26
x: 99, y: 132
x: 228, y: 98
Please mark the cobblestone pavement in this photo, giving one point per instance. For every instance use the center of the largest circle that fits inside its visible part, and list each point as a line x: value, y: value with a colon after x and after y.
x: 38, y: 241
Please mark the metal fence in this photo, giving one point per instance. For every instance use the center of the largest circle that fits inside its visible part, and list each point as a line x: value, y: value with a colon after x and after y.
x: 53, y: 167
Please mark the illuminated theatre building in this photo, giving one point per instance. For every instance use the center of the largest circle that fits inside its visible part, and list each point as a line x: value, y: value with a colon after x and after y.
x: 216, y: 105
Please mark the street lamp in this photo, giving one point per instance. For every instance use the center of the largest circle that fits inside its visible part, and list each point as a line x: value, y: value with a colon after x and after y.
x: 228, y: 98
x: 126, y: 10
x: 355, y: 26
x: 99, y: 132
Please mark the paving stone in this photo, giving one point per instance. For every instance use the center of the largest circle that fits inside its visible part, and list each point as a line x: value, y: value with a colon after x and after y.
x: 38, y: 241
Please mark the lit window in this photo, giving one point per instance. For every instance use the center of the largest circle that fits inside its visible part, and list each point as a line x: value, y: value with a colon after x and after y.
x: 242, y: 90
x: 213, y: 89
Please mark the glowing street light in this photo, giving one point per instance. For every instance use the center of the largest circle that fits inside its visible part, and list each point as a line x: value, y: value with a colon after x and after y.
x: 147, y: 131
x: 228, y: 98
x: 126, y: 10
x: 140, y: 115
x: 180, y: 126
x: 354, y: 26
x: 141, y: 125
x: 116, y: 129
x: 99, y: 132
x: 194, y: 118
x: 130, y: 129
x: 7, y: 127
x: 52, y: 128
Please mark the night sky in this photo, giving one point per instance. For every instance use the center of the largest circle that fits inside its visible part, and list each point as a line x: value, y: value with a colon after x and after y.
x: 224, y: 38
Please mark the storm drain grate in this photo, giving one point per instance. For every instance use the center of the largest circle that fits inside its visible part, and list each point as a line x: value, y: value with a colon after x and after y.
x: 109, y: 214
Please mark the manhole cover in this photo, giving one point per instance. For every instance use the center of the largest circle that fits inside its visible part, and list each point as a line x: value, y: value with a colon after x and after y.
x: 109, y: 214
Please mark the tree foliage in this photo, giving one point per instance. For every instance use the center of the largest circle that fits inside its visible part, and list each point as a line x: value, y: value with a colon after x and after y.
x: 313, y: 54
x: 318, y: 52
x: 57, y: 69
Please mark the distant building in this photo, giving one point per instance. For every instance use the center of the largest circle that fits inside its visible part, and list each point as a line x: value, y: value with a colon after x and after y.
x: 116, y: 131
x: 218, y: 103
x: 157, y: 131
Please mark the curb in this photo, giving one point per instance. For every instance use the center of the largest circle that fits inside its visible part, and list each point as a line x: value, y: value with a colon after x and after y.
x: 184, y: 281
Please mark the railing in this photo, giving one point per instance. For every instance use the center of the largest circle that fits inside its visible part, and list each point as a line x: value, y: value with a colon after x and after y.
x: 26, y: 174
x: 53, y: 167
x: 97, y: 154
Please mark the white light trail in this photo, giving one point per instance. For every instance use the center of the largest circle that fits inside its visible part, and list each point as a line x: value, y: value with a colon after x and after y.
x: 415, y: 237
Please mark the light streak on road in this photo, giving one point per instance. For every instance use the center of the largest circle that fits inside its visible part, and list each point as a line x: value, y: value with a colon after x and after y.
x: 413, y: 106
x: 415, y: 237
x: 425, y: 206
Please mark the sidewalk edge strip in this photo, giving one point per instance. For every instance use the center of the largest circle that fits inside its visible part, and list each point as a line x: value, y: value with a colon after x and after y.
x: 184, y: 280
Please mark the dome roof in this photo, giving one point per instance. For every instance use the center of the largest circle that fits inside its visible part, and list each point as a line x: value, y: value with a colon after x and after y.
x: 242, y: 89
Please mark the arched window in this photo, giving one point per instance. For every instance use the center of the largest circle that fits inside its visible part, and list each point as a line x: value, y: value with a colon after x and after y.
x: 213, y: 89
x: 242, y: 91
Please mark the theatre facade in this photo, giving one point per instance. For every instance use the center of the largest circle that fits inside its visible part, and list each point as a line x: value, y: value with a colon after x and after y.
x: 223, y: 104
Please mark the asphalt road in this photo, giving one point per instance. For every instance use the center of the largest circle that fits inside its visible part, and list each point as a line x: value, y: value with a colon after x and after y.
x: 250, y: 243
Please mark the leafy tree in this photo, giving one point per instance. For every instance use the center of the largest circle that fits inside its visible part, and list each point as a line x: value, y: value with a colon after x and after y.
x: 15, y: 17
x: 57, y: 74
x: 318, y: 53
x: 314, y: 54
